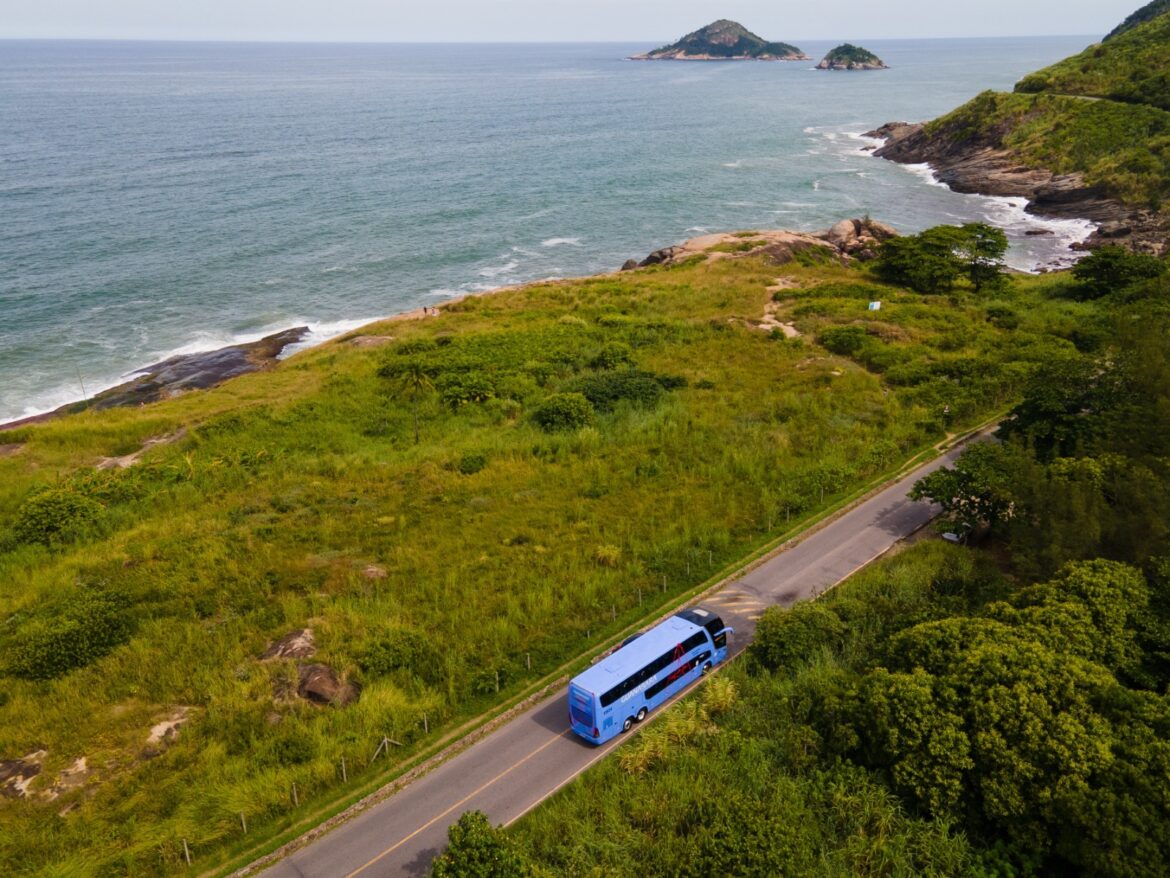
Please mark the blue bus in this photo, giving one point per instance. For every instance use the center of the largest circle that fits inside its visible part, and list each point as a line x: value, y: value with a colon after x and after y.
x: 644, y: 672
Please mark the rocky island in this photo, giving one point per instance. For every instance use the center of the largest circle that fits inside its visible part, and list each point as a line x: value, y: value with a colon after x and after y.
x: 850, y: 57
x: 724, y: 40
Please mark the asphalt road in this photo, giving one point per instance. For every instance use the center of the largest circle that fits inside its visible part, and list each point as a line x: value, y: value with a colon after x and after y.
x: 529, y: 758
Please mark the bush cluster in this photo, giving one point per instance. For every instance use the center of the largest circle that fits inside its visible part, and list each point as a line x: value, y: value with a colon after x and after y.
x: 69, y: 634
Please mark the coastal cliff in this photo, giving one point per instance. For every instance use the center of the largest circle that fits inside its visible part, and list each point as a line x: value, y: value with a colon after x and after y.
x: 723, y: 40
x: 1088, y: 137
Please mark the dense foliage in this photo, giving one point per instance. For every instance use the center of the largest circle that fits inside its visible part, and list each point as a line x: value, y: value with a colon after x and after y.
x: 1132, y: 65
x: 1148, y: 12
x: 933, y: 260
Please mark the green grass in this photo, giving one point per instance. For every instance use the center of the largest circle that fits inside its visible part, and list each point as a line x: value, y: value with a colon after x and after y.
x: 290, y: 486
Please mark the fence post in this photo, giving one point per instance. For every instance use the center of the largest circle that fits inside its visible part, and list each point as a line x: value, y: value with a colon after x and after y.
x: 528, y: 660
x: 296, y: 799
x: 344, y: 775
x: 186, y: 852
x: 243, y: 823
x: 426, y: 726
x: 497, y: 680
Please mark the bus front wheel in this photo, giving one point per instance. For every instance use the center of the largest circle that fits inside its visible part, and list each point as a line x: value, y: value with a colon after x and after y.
x: 641, y: 715
x: 628, y: 724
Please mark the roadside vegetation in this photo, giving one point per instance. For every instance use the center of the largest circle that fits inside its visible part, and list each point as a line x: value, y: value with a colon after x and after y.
x: 454, y: 507
x: 995, y: 708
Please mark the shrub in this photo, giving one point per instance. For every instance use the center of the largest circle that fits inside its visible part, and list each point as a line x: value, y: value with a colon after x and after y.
x: 401, y: 649
x: 843, y: 340
x: 786, y: 638
x: 604, y: 391
x: 472, y: 463
x: 607, y: 555
x: 56, y: 514
x: 70, y: 634
x: 564, y: 411
x: 612, y: 355
x: 293, y: 748
x: 462, y: 388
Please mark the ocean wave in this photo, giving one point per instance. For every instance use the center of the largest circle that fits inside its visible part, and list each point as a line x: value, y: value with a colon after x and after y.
x: 497, y: 270
x: 561, y: 242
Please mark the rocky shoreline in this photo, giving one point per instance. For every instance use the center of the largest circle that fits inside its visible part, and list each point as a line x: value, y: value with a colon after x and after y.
x: 179, y: 374
x: 985, y: 167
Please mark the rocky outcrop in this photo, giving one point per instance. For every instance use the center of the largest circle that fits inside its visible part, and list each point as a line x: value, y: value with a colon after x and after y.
x: 16, y: 775
x: 850, y: 57
x: 295, y: 644
x: 980, y: 164
x: 848, y: 240
x: 723, y: 40
x: 179, y: 374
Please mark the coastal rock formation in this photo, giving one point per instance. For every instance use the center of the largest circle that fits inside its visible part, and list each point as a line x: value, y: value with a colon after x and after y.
x: 182, y: 373
x: 980, y: 164
x: 724, y: 40
x: 847, y: 240
x: 850, y: 57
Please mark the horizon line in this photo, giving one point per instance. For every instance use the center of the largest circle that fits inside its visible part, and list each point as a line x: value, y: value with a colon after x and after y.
x: 367, y: 42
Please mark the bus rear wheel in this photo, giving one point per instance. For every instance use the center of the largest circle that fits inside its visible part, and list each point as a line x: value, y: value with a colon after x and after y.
x: 706, y: 669
x: 628, y: 724
x: 641, y: 715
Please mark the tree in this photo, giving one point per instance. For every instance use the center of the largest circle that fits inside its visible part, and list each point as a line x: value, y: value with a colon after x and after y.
x: 476, y: 849
x: 982, y: 251
x: 977, y: 491
x: 1111, y: 269
x: 414, y: 379
x: 925, y: 262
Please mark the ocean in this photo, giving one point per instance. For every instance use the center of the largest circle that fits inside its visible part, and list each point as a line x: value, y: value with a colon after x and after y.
x: 159, y: 198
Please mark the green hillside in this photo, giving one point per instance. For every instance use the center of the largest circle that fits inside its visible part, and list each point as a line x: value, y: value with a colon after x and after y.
x: 1132, y: 67
x: 585, y: 451
x: 1146, y: 13
x: 1122, y: 148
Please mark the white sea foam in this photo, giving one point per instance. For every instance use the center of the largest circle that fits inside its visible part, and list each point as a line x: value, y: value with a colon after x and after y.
x: 561, y: 242
x: 1028, y: 252
x: 497, y: 270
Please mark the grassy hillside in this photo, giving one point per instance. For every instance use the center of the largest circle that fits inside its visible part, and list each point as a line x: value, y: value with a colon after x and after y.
x: 430, y: 569
x: 1132, y: 67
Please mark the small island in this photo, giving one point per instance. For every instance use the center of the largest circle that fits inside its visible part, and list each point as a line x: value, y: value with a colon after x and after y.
x: 724, y: 40
x: 850, y: 57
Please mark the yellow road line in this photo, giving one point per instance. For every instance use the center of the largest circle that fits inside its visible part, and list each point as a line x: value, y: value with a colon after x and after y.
x: 462, y: 801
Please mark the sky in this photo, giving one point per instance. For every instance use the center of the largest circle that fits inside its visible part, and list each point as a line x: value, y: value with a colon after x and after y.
x: 650, y: 21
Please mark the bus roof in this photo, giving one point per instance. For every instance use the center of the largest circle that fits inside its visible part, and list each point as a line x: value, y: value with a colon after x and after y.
x: 617, y: 666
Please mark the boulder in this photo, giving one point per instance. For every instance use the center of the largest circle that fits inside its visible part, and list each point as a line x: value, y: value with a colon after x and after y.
x: 629, y: 265
x: 321, y: 685
x: 843, y: 232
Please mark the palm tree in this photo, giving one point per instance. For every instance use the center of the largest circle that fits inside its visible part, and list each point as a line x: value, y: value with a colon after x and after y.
x: 415, y: 380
